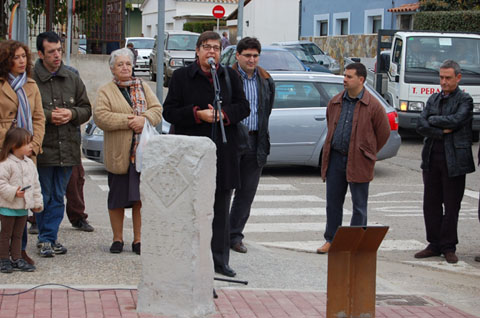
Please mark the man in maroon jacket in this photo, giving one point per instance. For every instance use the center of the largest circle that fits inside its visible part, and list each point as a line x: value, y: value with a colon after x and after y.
x: 357, y: 129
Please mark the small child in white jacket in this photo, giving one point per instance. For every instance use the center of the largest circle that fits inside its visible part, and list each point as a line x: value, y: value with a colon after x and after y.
x: 19, y: 191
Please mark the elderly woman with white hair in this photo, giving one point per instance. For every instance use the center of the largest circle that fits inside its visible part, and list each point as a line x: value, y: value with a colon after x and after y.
x: 120, y: 110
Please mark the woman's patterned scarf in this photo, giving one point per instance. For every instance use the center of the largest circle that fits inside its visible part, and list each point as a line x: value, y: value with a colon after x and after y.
x: 24, y: 113
x: 139, y: 105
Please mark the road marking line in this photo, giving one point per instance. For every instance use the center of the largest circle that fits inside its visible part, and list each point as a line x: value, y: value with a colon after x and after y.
x: 471, y: 194
x: 382, y: 194
x: 291, y: 211
x: 288, y: 198
x: 274, y: 187
x: 460, y: 267
x: 406, y: 201
x: 268, y: 178
x: 104, y: 187
x: 311, y: 246
x: 97, y: 177
x: 128, y: 213
x: 290, y: 227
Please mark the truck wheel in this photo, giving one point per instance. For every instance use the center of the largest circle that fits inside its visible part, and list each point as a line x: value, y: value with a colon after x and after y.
x: 153, y: 76
x: 475, y: 136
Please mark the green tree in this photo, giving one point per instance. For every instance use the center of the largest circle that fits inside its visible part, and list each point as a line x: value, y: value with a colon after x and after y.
x: 448, y: 5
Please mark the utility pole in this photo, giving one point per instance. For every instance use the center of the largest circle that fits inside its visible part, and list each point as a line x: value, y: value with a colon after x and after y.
x: 240, y: 20
x: 160, y: 47
x: 69, y: 31
x: 22, y: 22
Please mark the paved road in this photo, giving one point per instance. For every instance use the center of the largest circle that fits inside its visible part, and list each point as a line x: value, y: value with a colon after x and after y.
x: 287, y: 223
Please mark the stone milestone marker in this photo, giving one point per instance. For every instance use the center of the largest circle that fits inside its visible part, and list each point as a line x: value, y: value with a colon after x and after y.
x: 177, y: 189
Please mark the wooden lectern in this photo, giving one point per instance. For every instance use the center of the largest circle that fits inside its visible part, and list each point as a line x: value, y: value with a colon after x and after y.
x: 352, y: 269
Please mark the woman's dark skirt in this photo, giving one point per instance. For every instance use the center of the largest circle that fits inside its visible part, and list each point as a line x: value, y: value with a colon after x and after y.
x: 124, y: 189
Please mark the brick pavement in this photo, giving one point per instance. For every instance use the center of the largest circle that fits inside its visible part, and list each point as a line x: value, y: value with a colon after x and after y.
x: 232, y: 303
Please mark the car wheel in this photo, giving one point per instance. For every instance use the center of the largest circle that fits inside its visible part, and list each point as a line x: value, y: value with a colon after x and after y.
x: 153, y: 76
x: 166, y: 80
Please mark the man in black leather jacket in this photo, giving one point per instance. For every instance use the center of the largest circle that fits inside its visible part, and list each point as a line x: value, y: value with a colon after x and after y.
x: 446, y: 123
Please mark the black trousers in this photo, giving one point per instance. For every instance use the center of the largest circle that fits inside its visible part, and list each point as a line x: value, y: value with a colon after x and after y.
x: 250, y: 173
x: 442, y: 198
x: 221, y: 227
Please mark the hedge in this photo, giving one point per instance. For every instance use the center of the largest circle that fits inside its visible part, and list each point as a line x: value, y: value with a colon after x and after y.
x: 202, y: 26
x: 461, y: 21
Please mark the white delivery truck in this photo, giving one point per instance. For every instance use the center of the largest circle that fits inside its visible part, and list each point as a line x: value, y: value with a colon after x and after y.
x: 411, y: 70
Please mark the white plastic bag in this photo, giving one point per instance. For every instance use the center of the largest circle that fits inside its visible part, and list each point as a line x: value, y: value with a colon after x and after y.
x: 147, y: 132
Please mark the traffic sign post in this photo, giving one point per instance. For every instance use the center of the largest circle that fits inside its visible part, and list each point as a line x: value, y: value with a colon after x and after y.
x: 218, y: 12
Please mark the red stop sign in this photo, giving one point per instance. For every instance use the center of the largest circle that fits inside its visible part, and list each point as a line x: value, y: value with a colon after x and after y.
x: 218, y: 12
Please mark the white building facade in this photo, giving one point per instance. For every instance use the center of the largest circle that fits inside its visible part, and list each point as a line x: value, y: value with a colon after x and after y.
x: 178, y: 12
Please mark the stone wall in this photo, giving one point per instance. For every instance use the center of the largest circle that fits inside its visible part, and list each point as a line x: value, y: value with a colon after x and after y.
x: 339, y: 46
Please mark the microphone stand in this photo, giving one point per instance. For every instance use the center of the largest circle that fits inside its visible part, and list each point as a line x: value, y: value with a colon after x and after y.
x: 217, y: 104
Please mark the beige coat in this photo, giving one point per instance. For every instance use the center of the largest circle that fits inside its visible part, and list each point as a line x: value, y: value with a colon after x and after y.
x: 110, y: 113
x: 8, y: 111
x: 16, y: 173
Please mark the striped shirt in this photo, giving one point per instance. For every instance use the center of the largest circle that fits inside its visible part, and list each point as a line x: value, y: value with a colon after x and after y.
x: 251, y: 93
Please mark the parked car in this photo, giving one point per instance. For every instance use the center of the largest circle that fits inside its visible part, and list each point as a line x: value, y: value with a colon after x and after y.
x: 307, y: 59
x: 179, y: 51
x: 298, y: 124
x: 143, y: 46
x: 271, y: 59
x: 316, y: 52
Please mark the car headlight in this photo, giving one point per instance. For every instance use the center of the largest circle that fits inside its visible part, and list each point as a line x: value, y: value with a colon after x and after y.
x: 97, y: 132
x: 176, y: 62
x: 411, y: 106
x: 334, y: 65
x: 476, y: 107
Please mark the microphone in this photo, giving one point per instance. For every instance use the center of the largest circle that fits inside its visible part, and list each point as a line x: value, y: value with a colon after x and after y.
x: 212, y: 63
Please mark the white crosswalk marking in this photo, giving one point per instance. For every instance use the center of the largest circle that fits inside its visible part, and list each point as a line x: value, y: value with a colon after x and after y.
x: 311, y: 246
x: 97, y: 177
x: 287, y: 198
x: 291, y: 211
x: 104, y: 187
x: 460, y: 267
x: 275, y: 187
x: 283, y: 227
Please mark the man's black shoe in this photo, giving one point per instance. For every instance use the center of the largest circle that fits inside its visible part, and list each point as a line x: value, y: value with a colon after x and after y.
x: 477, y: 258
x: 33, y: 229
x: 225, y: 270
x: 83, y: 225
x: 239, y: 248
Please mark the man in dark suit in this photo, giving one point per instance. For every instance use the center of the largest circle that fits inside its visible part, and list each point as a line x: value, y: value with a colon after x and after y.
x: 189, y: 108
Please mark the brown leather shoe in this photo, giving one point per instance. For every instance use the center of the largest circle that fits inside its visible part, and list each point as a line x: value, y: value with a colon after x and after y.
x: 324, y: 248
x: 426, y: 253
x: 450, y: 257
x: 239, y: 248
x: 27, y: 258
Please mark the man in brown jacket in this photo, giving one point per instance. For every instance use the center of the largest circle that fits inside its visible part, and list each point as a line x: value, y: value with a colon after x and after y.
x: 357, y: 129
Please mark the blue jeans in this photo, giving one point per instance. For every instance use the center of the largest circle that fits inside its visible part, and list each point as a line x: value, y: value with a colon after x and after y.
x: 336, y: 189
x: 54, y: 182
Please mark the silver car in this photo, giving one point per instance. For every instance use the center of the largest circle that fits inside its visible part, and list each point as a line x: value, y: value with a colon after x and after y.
x: 321, y: 57
x: 298, y: 124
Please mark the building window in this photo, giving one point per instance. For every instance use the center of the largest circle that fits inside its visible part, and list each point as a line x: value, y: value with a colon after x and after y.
x: 343, y: 27
x: 373, y: 20
x: 405, y: 22
x: 323, y: 28
x: 377, y: 24
x: 321, y: 22
x: 341, y: 23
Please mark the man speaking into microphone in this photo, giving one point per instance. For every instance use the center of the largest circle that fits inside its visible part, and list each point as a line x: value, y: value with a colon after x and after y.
x: 189, y: 106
